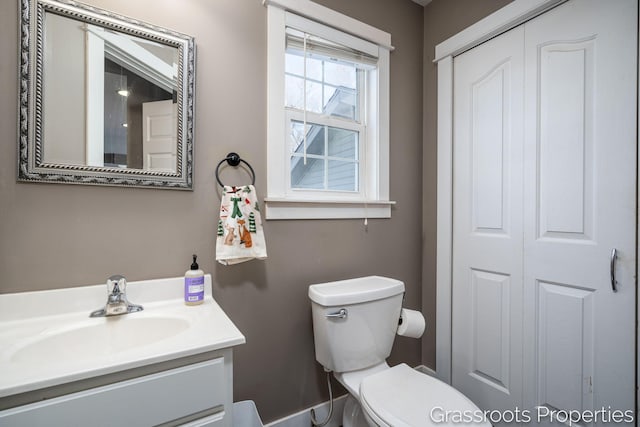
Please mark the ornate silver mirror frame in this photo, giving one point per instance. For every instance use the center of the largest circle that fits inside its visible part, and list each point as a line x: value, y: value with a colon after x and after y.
x: 32, y: 166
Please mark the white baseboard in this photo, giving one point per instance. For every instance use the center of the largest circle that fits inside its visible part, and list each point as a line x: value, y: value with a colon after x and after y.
x: 426, y: 370
x: 303, y: 418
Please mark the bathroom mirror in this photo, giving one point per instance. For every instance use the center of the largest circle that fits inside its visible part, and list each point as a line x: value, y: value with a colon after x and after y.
x: 104, y: 99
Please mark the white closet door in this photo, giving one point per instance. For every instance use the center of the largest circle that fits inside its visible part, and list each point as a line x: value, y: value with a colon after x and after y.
x: 544, y: 190
x: 487, y: 224
x: 580, y: 174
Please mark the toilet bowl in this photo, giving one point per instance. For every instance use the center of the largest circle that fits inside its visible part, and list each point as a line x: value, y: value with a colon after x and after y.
x: 402, y: 397
x: 354, y: 326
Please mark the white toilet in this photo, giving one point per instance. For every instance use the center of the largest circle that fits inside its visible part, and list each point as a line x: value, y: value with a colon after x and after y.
x: 354, y: 326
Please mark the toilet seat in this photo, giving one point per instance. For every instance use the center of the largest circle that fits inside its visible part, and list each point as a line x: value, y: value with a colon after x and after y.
x: 403, y: 397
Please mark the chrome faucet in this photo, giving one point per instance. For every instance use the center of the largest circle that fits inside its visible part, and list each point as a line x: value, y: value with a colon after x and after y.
x: 117, y: 302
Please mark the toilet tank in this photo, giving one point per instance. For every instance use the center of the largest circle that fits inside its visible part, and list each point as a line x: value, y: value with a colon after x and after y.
x: 365, y: 335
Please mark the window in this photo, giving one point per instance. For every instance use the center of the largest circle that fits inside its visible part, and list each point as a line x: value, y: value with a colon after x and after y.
x: 324, y: 99
x: 328, y: 138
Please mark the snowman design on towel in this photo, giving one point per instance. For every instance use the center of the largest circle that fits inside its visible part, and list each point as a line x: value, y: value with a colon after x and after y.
x: 240, y: 234
x: 235, y: 224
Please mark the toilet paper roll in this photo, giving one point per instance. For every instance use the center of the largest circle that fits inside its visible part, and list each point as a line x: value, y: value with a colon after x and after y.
x: 411, y: 323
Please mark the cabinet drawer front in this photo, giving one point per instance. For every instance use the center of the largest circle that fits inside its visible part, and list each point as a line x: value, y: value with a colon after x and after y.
x: 216, y: 420
x: 145, y: 401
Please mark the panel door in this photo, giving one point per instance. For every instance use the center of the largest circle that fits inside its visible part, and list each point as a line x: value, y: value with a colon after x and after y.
x: 580, y: 174
x: 159, y: 135
x: 487, y: 224
x: 544, y: 190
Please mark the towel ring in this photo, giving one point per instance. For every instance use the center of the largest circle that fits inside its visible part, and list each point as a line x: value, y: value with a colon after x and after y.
x: 233, y: 159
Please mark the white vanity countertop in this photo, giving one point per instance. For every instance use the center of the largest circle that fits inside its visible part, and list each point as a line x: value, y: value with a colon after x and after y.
x: 47, y: 338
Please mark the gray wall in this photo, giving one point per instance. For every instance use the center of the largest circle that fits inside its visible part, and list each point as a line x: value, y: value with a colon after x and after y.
x: 442, y: 19
x: 54, y: 236
x: 63, y: 38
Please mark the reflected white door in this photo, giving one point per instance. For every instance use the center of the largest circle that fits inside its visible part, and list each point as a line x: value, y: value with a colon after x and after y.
x: 544, y: 190
x: 159, y: 135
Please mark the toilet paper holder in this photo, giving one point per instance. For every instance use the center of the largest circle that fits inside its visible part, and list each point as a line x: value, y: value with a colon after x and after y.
x: 411, y: 323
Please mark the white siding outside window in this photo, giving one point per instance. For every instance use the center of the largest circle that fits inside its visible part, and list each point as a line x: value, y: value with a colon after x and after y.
x: 328, y: 115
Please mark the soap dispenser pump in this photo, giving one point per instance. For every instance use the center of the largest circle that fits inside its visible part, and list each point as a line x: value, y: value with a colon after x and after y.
x: 194, y: 284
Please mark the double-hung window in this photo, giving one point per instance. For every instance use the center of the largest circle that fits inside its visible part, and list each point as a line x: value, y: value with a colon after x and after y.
x: 328, y: 143
x: 325, y: 120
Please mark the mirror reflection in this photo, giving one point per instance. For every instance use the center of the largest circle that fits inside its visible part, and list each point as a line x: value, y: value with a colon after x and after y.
x: 104, y: 99
x: 109, y: 98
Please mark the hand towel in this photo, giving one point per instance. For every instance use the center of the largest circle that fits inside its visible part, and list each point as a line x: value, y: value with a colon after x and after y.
x: 240, y: 234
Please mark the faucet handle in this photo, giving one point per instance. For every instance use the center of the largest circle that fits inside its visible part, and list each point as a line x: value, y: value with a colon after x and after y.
x: 116, y: 284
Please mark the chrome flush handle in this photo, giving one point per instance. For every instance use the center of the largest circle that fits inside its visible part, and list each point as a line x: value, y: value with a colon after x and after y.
x: 614, y: 257
x: 342, y: 314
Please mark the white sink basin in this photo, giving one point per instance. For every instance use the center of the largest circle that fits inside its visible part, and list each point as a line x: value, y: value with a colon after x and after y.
x: 97, y: 337
x: 47, y: 337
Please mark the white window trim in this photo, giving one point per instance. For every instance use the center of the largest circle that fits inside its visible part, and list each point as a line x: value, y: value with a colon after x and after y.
x: 282, y: 203
x: 335, y: 19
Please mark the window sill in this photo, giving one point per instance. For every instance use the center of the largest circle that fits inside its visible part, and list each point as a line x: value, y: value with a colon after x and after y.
x: 323, y: 209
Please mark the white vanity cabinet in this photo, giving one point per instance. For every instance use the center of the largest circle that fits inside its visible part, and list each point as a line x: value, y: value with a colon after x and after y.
x: 168, y: 365
x: 199, y: 394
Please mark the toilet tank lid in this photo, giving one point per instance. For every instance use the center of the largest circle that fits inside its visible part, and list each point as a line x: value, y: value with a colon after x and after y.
x: 354, y: 291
